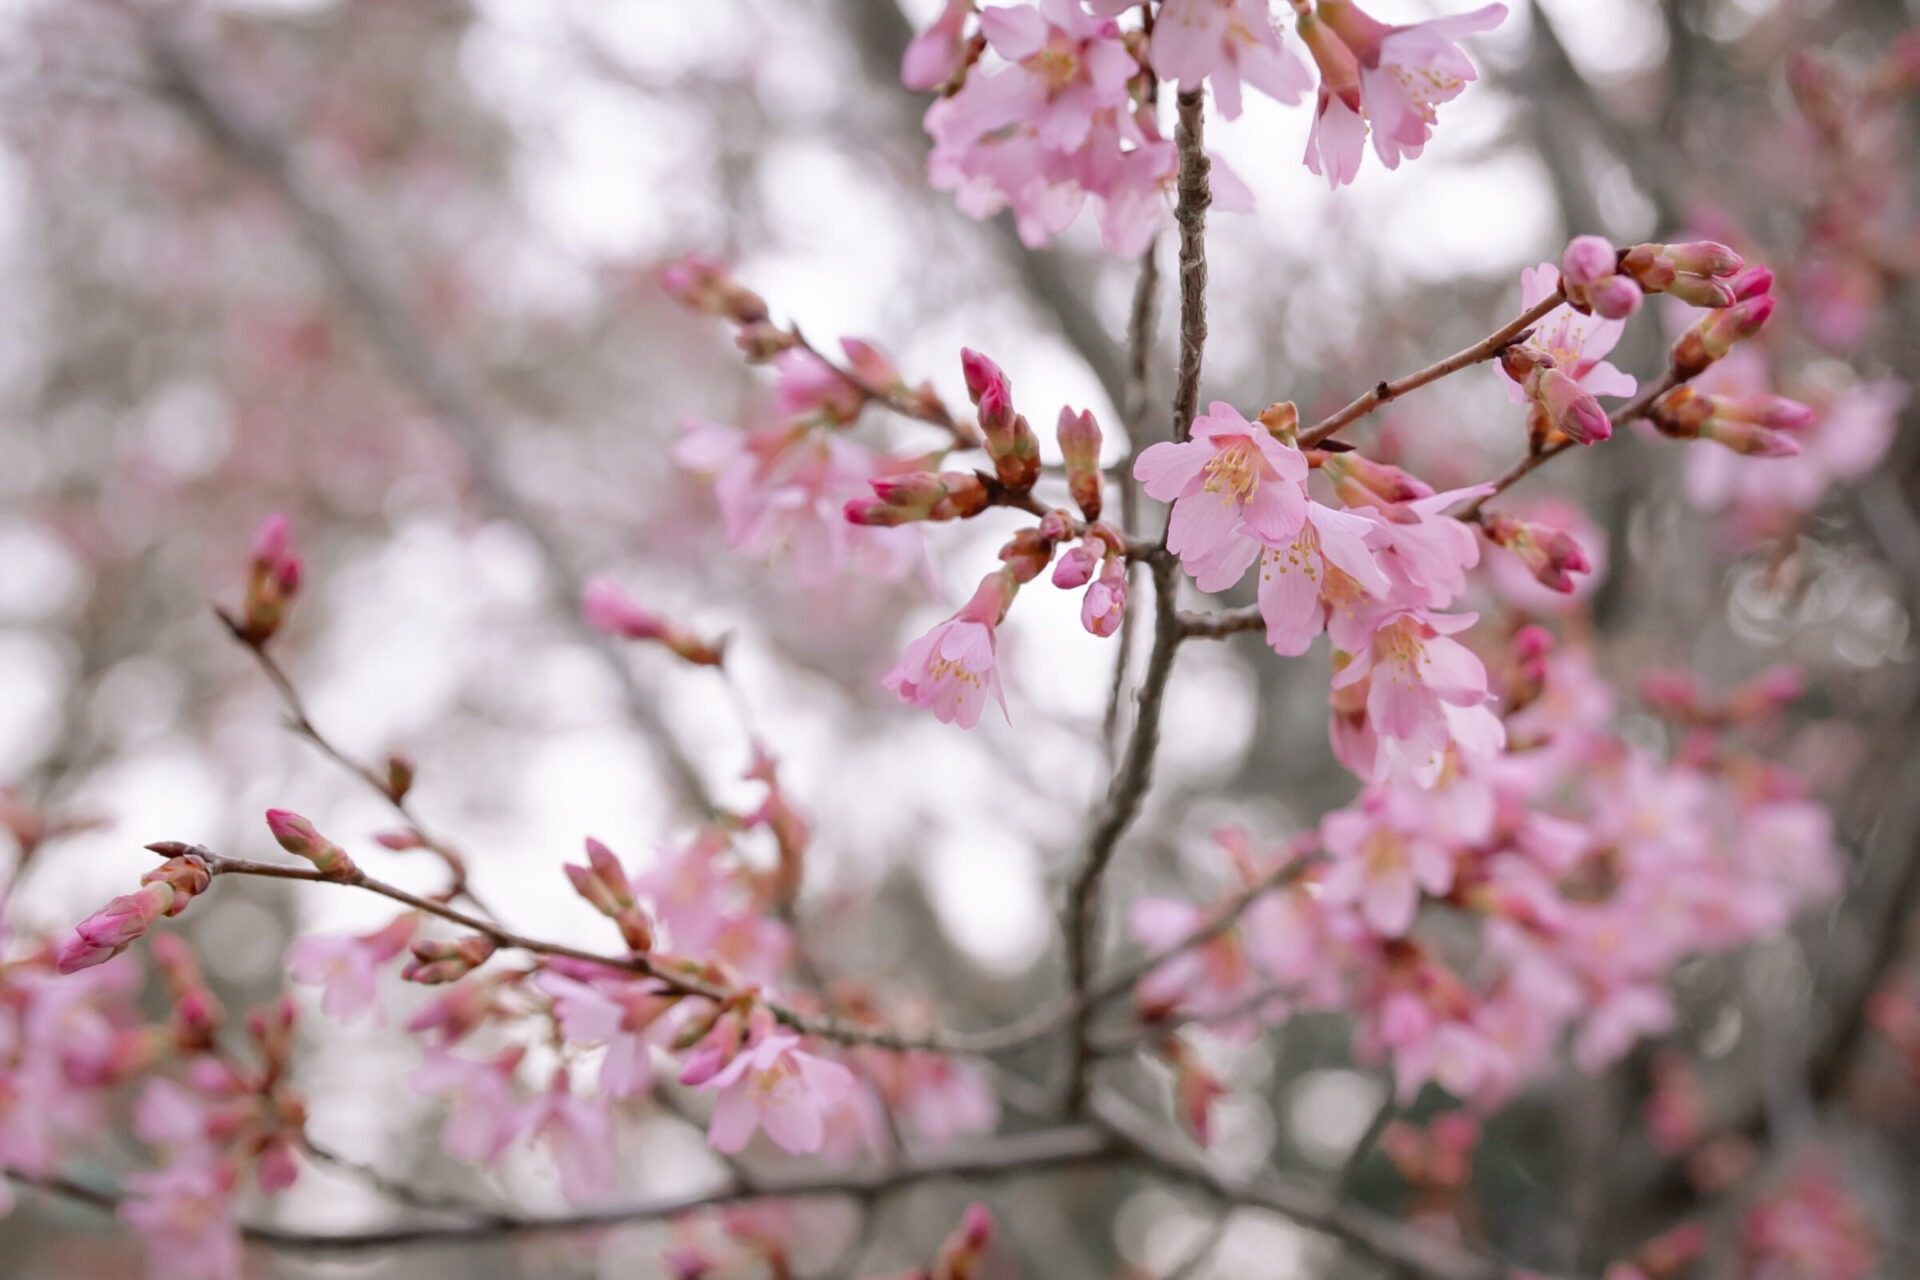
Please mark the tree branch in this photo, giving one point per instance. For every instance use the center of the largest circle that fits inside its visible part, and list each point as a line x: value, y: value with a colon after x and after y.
x: 349, y: 261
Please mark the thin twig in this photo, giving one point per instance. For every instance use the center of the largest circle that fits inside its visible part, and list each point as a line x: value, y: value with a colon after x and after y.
x: 1515, y: 330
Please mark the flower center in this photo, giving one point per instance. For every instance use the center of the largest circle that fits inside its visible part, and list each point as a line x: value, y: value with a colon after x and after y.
x: 1234, y: 472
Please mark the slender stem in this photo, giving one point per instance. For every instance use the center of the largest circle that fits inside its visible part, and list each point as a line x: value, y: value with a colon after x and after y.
x: 1028, y: 1153
x: 933, y: 413
x: 1146, y: 290
x: 1487, y: 348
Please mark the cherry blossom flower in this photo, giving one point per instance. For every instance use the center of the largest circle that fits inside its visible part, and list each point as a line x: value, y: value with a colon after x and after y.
x: 1233, y: 486
x: 1226, y: 42
x: 1208, y: 979
x: 1387, y: 80
x: 775, y: 1085
x: 617, y: 1015
x: 347, y: 967
x: 782, y: 493
x: 1381, y: 864
x: 1425, y: 693
x: 184, y: 1214
x: 1327, y: 577
x: 951, y: 669
x: 937, y: 54
x: 486, y: 1113
x: 1578, y: 343
x: 578, y: 1134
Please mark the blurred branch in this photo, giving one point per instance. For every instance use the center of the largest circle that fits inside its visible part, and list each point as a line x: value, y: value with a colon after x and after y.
x: 350, y: 261
x: 1399, y: 1245
x: 1027, y: 1153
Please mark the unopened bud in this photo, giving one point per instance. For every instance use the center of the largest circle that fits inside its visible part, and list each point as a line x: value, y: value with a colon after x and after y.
x: 1105, y: 604
x: 1754, y: 282
x: 400, y: 775
x: 1550, y: 554
x: 1080, y: 444
x: 1699, y: 291
x: 1027, y: 554
x: 436, y: 961
x: 1587, y: 261
x: 608, y: 610
x: 1282, y: 421
x: 1615, y: 298
x: 1715, y: 334
x: 1569, y: 406
x: 1704, y: 258
x: 300, y: 838
x: 962, y: 1252
x: 762, y: 340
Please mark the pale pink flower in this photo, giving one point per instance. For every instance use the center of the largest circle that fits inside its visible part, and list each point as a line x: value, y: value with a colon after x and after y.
x: 1515, y: 579
x: 1053, y: 127
x: 486, y: 1113
x: 951, y: 670
x: 1328, y: 576
x: 1615, y: 1021
x: 775, y: 1085
x: 1578, y: 343
x: 347, y: 967
x: 1405, y: 73
x: 943, y: 1098
x: 1233, y: 486
x: 616, y: 1015
x: 933, y: 56
x: 184, y: 1215
x: 783, y: 492
x: 1226, y: 41
x: 1208, y: 979
x: 1383, y: 864
x: 1426, y: 552
x: 1425, y: 693
x: 578, y: 1134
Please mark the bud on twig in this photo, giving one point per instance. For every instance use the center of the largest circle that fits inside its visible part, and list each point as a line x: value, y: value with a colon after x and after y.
x: 608, y: 611
x: 1715, y: 334
x: 1550, y: 554
x: 437, y: 961
x: 1079, y: 437
x: 299, y: 838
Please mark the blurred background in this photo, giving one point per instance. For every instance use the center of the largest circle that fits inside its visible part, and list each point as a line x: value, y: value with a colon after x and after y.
x: 388, y: 266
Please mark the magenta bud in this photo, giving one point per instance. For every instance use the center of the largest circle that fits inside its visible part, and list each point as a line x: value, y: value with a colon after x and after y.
x: 299, y: 838
x: 1754, y: 282
x: 1775, y: 412
x: 1077, y: 566
x: 1747, y: 438
x: 1587, y: 261
x: 1615, y: 298
x: 875, y: 513
x: 982, y: 374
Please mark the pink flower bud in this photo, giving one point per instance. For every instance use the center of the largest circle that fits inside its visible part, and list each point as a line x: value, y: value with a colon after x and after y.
x: 870, y: 364
x: 912, y: 489
x: 271, y: 539
x: 1105, y: 604
x: 1699, y: 291
x: 299, y: 838
x: 1339, y: 68
x: 875, y: 513
x: 939, y: 53
x: 1550, y: 554
x: 1570, y: 408
x: 1751, y: 283
x: 1587, y: 261
x: 962, y: 1252
x: 1715, y: 334
x: 1077, y: 566
x: 982, y: 374
x: 608, y: 610
x: 1774, y: 412
x: 435, y: 961
x: 1079, y: 439
x: 1704, y: 258
x: 1615, y: 298
x: 112, y: 929
x: 1749, y: 439
x: 401, y: 840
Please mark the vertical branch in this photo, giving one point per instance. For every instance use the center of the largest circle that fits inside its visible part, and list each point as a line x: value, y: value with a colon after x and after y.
x: 1128, y: 790
x: 1191, y: 213
x: 1140, y: 318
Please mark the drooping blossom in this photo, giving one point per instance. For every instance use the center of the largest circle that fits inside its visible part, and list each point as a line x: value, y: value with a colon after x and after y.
x: 936, y: 55
x: 1234, y: 488
x: 1385, y: 80
x: 1425, y: 693
x: 951, y: 670
x: 616, y: 1013
x: 1226, y: 43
